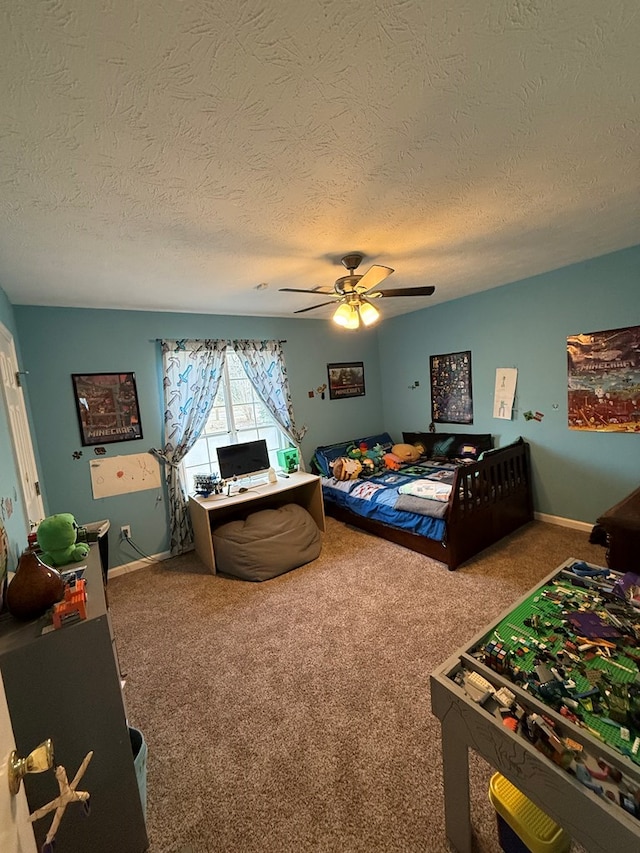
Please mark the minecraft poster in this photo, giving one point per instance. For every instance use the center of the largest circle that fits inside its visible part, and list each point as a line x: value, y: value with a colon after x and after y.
x: 451, y: 397
x: 604, y: 380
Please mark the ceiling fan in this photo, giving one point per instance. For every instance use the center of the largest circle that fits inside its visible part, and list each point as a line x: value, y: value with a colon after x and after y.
x: 353, y: 293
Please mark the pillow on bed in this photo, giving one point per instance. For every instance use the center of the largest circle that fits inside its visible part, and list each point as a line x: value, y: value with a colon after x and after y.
x: 437, y: 445
x: 326, y: 455
x: 447, y: 445
x: 383, y: 439
x: 469, y: 447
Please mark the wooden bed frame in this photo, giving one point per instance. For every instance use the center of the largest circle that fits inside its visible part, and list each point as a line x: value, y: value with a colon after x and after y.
x: 489, y: 500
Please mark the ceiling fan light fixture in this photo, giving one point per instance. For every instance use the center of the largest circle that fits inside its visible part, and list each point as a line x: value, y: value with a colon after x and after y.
x: 369, y: 314
x: 347, y: 316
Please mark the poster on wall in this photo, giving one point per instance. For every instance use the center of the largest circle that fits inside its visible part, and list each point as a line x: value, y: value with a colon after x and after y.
x: 346, y: 380
x: 451, y: 397
x: 604, y: 380
x: 505, y: 392
x: 107, y: 407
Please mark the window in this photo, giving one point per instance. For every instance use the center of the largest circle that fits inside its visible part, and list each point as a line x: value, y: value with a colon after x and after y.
x: 237, y: 415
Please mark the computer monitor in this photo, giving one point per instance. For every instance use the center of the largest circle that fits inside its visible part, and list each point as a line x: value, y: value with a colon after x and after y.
x: 243, y: 460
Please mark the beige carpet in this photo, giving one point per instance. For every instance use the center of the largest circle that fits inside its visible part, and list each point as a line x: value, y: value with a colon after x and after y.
x: 294, y: 715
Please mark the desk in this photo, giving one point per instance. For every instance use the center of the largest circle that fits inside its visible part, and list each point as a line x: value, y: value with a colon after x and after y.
x: 593, y: 821
x: 207, y: 513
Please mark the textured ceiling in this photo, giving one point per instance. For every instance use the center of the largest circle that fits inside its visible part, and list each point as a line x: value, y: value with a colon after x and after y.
x: 168, y: 155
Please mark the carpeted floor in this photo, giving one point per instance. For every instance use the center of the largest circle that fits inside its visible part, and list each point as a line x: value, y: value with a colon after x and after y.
x: 294, y: 715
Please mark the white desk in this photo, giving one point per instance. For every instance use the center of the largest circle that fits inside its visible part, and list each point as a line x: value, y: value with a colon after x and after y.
x: 207, y: 513
x: 599, y: 825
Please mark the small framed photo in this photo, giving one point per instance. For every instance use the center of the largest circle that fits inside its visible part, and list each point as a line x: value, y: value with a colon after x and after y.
x: 107, y: 407
x: 346, y: 380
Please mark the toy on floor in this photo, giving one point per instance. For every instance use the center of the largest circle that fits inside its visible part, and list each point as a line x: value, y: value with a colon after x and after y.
x: 57, y: 539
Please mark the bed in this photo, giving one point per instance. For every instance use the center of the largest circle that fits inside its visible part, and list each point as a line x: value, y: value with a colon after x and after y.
x: 489, y: 494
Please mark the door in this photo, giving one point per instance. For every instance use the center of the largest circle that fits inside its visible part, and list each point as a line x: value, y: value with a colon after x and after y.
x: 19, y: 429
x: 16, y: 832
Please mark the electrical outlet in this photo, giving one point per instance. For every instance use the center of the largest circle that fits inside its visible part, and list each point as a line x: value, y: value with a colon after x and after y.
x: 125, y: 531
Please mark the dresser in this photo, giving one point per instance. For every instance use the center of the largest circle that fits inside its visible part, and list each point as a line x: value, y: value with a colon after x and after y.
x: 622, y: 525
x: 66, y: 685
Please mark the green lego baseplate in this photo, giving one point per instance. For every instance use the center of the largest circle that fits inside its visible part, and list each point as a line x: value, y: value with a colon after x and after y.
x: 538, y: 631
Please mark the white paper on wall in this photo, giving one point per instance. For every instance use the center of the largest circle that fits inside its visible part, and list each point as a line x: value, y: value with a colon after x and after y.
x: 506, y: 378
x: 119, y: 475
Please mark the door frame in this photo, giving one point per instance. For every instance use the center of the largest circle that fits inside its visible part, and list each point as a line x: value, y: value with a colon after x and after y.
x: 29, y: 491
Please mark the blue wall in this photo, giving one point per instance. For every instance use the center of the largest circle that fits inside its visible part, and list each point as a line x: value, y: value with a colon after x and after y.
x: 57, y: 342
x: 13, y: 515
x: 577, y: 475
x: 524, y: 325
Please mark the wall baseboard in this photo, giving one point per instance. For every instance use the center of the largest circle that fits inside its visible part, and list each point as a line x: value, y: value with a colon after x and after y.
x: 138, y: 564
x: 164, y: 555
x: 563, y: 522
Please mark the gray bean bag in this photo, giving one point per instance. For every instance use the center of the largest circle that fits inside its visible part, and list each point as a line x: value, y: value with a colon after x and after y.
x: 267, y: 543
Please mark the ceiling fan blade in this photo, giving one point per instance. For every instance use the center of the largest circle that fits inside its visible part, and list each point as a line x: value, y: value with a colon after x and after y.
x: 405, y: 291
x: 299, y: 290
x: 373, y: 276
x: 302, y: 310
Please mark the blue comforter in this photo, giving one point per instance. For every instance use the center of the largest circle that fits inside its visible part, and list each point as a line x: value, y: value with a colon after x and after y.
x: 378, y: 498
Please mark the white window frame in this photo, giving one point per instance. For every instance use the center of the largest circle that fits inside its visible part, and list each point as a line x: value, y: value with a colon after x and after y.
x: 233, y: 435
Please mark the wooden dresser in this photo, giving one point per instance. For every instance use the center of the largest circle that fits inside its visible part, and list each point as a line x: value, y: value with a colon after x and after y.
x: 622, y: 526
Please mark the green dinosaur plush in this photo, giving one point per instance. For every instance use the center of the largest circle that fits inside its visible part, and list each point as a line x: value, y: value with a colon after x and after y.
x: 57, y: 540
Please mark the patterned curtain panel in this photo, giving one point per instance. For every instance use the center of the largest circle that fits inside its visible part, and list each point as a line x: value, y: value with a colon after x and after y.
x: 191, y: 375
x: 263, y: 362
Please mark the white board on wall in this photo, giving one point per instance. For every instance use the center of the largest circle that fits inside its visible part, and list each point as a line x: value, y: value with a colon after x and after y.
x: 119, y: 475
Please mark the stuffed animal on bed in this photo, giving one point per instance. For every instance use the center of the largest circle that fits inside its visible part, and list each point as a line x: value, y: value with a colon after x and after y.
x: 407, y: 453
x: 371, y: 459
x: 344, y: 468
x: 391, y: 461
x: 57, y: 539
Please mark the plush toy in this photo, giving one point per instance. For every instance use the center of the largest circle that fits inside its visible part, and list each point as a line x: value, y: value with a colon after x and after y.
x: 406, y: 452
x: 392, y: 461
x: 370, y: 458
x: 345, y: 468
x: 57, y: 540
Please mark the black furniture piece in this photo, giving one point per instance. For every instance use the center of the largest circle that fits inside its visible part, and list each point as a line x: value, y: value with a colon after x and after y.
x: 65, y: 685
x: 622, y: 526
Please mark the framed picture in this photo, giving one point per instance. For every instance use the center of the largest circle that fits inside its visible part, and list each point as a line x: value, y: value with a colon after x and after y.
x: 346, y: 380
x: 107, y: 407
x: 451, y: 395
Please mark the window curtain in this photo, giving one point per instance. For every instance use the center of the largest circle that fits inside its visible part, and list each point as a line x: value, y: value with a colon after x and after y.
x: 263, y: 362
x: 191, y: 375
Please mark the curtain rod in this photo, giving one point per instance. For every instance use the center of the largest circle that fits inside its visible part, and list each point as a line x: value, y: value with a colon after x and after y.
x: 159, y: 340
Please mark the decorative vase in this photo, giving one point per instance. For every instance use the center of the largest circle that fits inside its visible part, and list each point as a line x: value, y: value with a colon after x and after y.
x: 34, y: 589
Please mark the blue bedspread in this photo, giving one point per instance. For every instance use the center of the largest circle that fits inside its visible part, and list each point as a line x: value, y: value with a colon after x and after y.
x: 376, y: 498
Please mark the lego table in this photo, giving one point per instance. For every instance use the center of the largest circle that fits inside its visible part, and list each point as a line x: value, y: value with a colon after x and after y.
x: 599, y: 825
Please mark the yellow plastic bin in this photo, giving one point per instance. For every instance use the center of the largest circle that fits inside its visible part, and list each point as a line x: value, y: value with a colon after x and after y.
x: 522, y: 826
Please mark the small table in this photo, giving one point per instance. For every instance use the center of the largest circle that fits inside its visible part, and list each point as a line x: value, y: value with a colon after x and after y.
x: 622, y: 525
x: 207, y: 513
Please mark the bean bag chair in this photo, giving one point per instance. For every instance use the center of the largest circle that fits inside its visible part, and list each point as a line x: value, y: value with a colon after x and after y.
x: 267, y: 543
